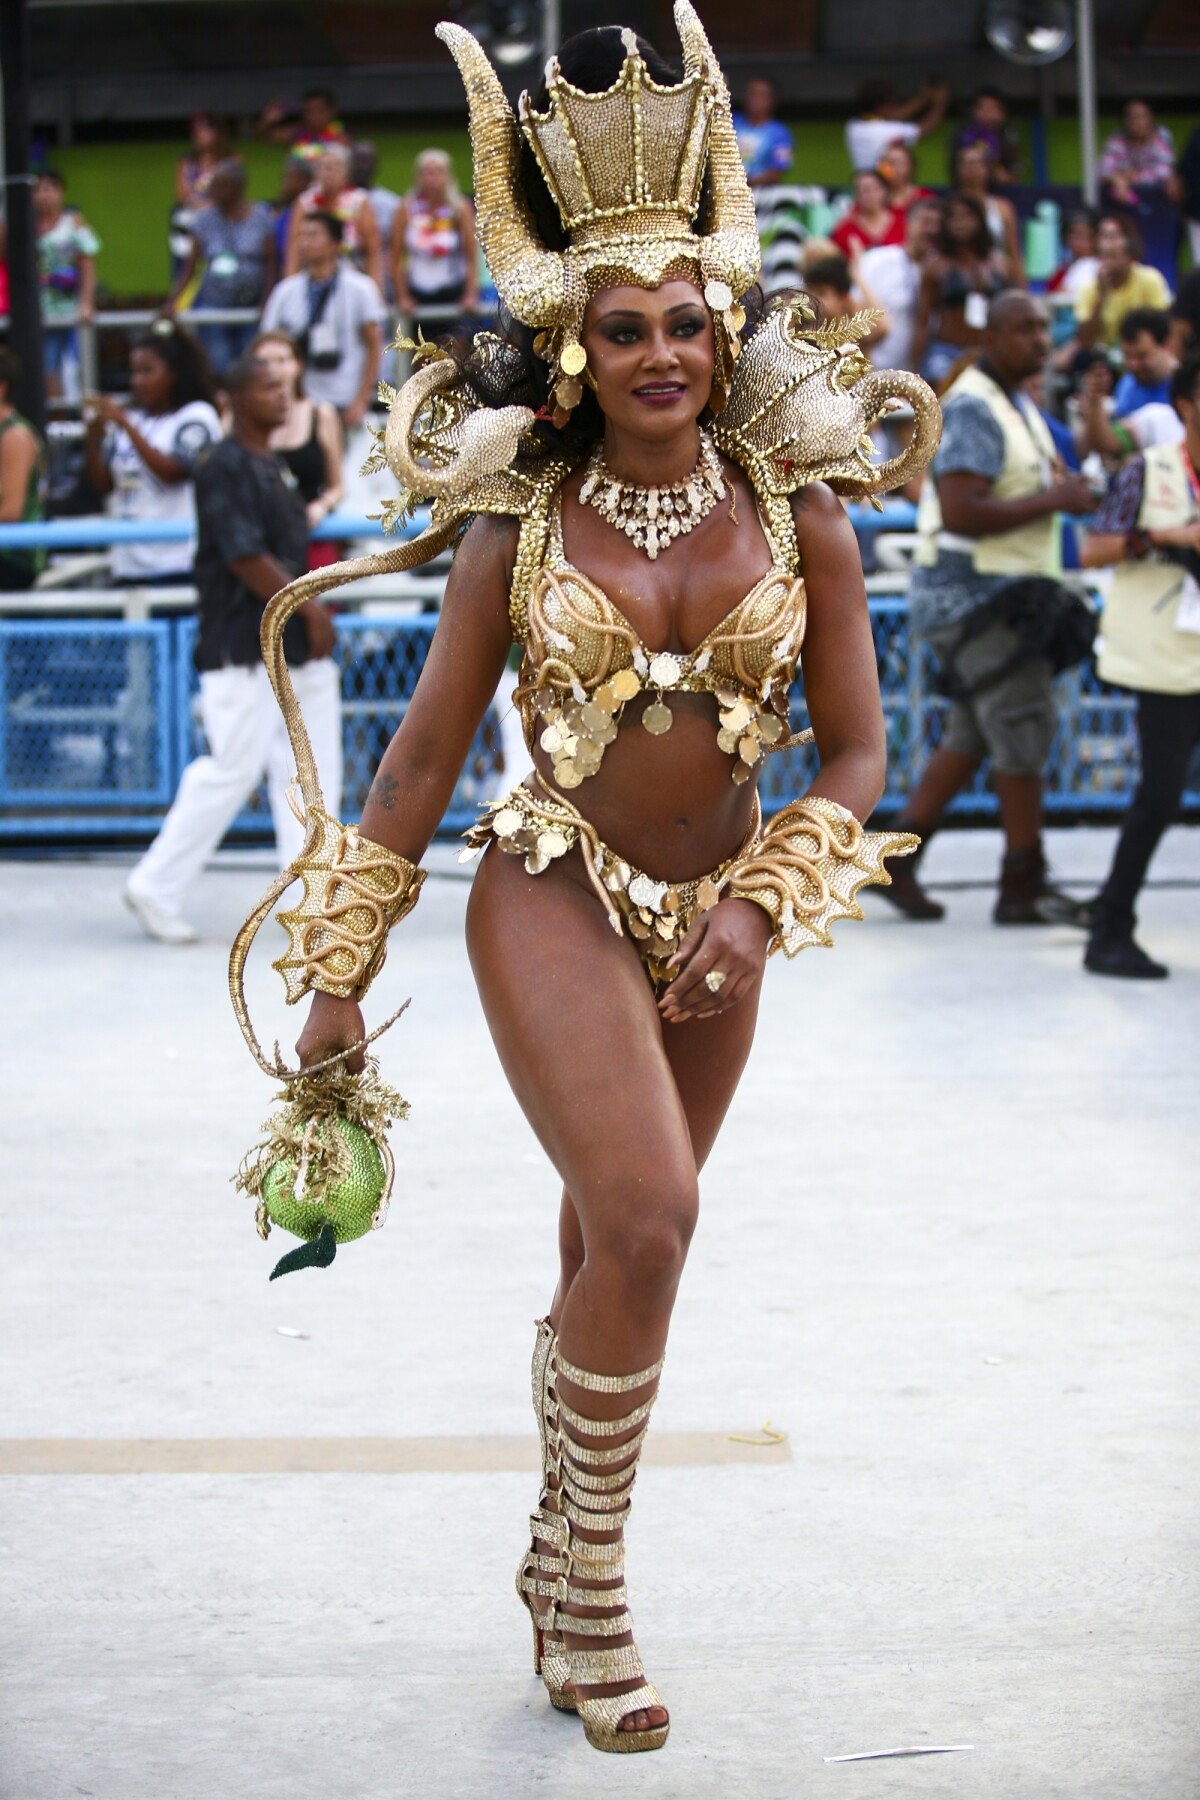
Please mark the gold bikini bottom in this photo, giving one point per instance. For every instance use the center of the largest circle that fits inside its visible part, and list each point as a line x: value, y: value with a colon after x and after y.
x: 536, y: 822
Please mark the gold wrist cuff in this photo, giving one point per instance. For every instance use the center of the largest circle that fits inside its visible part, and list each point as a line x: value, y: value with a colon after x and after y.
x: 354, y: 892
x: 808, y: 867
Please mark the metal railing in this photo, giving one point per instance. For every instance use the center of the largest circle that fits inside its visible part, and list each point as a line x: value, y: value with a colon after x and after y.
x: 98, y: 718
x: 117, y: 318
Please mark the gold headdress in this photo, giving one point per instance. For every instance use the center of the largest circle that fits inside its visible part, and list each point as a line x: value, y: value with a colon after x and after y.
x: 625, y: 170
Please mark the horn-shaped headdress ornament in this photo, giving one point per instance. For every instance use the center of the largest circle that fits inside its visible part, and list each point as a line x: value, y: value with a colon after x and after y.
x: 625, y: 169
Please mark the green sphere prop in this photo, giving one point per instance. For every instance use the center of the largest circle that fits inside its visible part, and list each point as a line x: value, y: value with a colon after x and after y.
x: 348, y: 1205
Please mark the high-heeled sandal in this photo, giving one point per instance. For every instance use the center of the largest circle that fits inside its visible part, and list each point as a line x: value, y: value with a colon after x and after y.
x: 539, y: 1573
x: 596, y: 1483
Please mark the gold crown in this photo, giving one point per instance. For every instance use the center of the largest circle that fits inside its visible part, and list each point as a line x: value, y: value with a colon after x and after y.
x: 625, y: 169
x: 633, y: 155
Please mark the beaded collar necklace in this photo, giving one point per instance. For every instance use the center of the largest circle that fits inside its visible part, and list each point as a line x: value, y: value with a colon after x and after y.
x: 653, y: 517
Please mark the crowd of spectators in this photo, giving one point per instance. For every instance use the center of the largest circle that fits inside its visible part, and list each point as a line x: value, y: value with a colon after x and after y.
x: 1049, y: 404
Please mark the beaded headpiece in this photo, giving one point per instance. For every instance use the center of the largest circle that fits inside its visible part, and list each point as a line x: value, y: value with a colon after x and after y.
x: 625, y: 169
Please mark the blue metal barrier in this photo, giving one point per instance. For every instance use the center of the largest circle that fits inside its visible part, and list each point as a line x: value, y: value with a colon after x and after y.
x: 98, y: 720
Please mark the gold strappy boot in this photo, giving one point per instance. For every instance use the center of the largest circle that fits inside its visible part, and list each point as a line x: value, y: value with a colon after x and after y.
x: 540, y: 1573
x: 595, y: 1497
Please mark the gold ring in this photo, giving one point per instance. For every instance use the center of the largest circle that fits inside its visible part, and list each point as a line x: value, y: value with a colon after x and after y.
x: 714, y: 981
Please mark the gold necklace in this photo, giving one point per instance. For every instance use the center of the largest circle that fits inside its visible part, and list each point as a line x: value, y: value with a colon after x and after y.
x: 653, y: 517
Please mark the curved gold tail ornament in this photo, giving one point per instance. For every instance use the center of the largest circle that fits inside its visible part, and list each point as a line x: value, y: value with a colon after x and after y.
x: 529, y: 278
x: 876, y: 390
x: 486, y: 441
x: 319, y: 827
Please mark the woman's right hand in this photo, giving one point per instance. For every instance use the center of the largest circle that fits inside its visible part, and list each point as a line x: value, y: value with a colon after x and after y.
x: 332, y: 1025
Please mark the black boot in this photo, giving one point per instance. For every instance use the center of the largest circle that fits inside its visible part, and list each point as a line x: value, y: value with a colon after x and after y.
x: 1112, y: 951
x: 906, y: 893
x: 1028, y: 896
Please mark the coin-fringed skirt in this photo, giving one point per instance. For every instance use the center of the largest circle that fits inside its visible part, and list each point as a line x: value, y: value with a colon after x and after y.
x: 535, y: 822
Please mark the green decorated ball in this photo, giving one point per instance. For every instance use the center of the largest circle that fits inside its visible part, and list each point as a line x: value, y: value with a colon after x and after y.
x: 348, y: 1205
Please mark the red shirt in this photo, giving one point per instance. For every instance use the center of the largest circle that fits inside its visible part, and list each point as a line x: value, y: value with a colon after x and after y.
x: 852, y: 237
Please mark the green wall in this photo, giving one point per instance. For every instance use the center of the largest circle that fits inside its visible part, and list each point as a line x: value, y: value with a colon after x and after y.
x: 126, y: 189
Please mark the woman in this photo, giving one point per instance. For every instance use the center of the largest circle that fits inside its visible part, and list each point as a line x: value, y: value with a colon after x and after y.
x: 433, y: 247
x: 309, y: 441
x: 660, y: 640
x: 212, y: 143
x: 1079, y: 265
x: 956, y: 284
x: 898, y: 166
x: 146, y: 454
x: 972, y: 174
x: 332, y: 192
x: 1121, y: 284
x: 67, y: 252
x: 22, y: 470
x: 872, y: 219
x: 1141, y: 156
x: 230, y: 264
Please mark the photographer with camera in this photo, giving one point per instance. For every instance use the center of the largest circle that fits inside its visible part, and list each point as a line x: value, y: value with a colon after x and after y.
x: 335, y: 315
x: 986, y: 598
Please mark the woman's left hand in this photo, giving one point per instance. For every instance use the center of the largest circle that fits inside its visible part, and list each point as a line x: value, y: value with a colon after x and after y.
x: 729, y: 939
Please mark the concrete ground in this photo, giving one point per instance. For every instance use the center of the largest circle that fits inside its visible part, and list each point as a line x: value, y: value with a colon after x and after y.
x: 259, y: 1539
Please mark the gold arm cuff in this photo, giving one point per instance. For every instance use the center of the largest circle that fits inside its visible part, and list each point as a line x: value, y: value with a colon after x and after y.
x: 354, y: 892
x: 807, y: 868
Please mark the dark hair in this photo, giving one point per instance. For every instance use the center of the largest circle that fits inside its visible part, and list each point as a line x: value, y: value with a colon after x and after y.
x: 183, y: 357
x: 243, y: 371
x: 1080, y: 215
x: 872, y: 95
x: 872, y: 171
x: 591, y: 61
x: 319, y: 93
x: 1127, y: 228
x: 1145, y: 318
x: 330, y: 221
x: 10, y: 368
x: 1186, y: 378
x: 986, y: 92
x: 49, y: 174
x: 981, y: 242
x: 829, y: 271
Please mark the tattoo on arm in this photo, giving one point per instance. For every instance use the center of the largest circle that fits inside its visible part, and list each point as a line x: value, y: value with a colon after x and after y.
x: 385, y: 790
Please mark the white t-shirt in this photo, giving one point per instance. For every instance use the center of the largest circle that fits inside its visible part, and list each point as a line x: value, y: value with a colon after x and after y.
x: 354, y: 302
x: 867, y: 139
x: 1081, y: 274
x: 188, y: 434
x: 894, y: 279
x: 1154, y: 423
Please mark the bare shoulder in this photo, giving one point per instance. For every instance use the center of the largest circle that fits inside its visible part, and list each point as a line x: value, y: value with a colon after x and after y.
x: 484, y: 563
x: 829, y: 554
x: 490, y: 541
x: 818, y: 513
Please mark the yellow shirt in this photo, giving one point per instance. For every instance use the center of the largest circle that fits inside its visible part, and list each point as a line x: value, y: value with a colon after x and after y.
x: 1144, y: 287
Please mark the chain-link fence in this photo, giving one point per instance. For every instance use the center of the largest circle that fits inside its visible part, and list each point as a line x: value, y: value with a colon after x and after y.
x: 99, y: 718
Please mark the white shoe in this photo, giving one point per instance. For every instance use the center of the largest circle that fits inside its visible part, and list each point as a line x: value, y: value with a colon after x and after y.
x: 157, y: 921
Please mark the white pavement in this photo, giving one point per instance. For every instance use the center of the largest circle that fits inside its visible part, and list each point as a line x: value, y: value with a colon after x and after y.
x: 948, y: 1247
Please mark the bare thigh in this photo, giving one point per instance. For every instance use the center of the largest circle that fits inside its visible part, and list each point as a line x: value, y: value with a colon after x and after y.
x: 606, y: 1086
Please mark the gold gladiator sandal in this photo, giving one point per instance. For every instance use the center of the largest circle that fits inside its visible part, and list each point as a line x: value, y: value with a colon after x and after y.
x: 540, y: 1571
x: 595, y: 1497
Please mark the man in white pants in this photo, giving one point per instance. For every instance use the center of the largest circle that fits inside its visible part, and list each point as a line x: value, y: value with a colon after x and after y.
x: 252, y: 539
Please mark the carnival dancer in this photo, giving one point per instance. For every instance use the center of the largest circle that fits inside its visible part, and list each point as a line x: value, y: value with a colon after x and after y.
x: 648, y: 520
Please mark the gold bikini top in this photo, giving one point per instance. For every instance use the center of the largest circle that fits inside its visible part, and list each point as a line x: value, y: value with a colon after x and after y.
x: 584, y: 663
